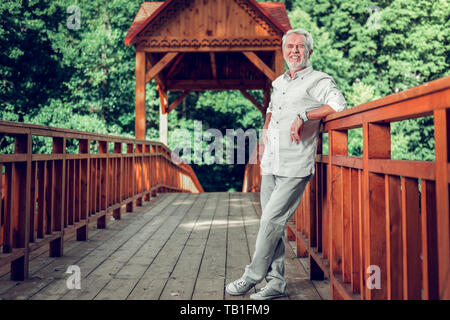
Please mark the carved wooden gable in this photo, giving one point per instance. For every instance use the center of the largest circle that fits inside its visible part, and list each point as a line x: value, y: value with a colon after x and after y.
x: 210, y: 23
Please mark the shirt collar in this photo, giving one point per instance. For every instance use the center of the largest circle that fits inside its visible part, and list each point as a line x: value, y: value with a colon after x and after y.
x: 287, y: 74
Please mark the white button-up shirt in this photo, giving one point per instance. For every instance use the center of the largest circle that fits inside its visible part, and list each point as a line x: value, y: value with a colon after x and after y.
x: 308, y: 90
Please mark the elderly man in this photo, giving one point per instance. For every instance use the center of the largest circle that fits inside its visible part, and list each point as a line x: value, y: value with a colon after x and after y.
x: 301, y: 97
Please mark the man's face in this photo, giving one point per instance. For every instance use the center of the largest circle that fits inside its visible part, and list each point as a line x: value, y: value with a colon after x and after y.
x: 294, y: 51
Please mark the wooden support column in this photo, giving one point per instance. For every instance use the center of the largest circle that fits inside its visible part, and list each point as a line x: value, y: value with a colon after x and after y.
x: 163, y: 116
x: 140, y: 129
x: 279, y: 62
x: 376, y: 145
x: 442, y: 134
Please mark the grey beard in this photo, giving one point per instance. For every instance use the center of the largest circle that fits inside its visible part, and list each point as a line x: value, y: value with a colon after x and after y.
x: 298, y: 65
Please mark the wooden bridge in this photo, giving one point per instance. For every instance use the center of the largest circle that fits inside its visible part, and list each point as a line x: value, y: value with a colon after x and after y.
x: 139, y: 226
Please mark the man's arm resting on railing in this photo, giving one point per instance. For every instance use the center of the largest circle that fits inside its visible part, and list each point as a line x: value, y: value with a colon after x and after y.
x: 316, y: 114
x: 320, y: 113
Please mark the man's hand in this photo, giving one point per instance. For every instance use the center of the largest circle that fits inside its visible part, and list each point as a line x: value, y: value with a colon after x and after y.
x: 296, y: 128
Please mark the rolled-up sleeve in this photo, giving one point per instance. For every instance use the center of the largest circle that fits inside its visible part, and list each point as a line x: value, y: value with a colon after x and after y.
x: 327, y: 92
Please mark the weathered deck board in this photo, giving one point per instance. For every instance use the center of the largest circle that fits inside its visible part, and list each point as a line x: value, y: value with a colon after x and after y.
x: 210, y: 282
x: 178, y: 246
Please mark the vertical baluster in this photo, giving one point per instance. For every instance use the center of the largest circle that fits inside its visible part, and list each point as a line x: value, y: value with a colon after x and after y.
x: 85, y: 188
x: 71, y: 194
x: 147, y: 172
x: 430, y: 275
x: 119, y: 174
x: 393, y: 238
x: 103, y: 184
x: 7, y: 223
x: 412, y: 271
x: 49, y: 198
x: 346, y: 205
x: 2, y: 213
x: 33, y: 199
x: 132, y: 177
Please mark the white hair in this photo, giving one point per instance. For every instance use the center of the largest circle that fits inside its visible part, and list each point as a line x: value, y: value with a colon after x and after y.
x: 309, y: 42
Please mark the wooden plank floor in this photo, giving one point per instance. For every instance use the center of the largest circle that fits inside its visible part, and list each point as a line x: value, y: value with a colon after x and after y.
x: 177, y: 246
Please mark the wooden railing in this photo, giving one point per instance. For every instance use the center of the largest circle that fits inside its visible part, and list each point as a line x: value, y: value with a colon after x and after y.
x: 47, y: 196
x: 361, y: 215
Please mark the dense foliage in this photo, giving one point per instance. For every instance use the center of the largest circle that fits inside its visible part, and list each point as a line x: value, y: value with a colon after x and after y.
x: 57, y: 73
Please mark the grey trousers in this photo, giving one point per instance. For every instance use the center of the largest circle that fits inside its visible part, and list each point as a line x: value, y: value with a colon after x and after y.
x: 280, y: 197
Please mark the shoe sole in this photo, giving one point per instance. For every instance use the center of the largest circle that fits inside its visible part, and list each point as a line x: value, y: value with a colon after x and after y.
x: 268, y: 297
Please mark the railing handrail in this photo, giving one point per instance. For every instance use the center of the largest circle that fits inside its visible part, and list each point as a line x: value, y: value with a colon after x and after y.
x: 395, y: 98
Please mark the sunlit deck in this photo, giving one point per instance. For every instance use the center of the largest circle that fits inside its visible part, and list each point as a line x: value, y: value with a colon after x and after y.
x: 177, y: 246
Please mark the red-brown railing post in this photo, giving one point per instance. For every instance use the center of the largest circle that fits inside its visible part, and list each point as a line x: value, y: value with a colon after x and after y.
x: 441, y: 133
x: 58, y: 182
x: 376, y: 145
x: 338, y: 146
x: 20, y: 208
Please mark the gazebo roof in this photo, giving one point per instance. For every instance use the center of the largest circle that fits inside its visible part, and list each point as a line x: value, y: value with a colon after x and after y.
x: 275, y: 12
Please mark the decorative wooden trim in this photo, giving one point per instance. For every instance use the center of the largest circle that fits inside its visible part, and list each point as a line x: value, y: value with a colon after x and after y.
x: 181, y: 43
x: 255, y: 15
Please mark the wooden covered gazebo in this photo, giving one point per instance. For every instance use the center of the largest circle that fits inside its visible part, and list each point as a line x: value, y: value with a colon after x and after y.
x: 197, y: 45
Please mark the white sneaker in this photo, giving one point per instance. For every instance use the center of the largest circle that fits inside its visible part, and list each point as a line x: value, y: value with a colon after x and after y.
x: 239, y: 287
x: 267, y: 293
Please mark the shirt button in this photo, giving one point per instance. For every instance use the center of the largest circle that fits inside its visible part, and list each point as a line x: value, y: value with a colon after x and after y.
x: 284, y: 92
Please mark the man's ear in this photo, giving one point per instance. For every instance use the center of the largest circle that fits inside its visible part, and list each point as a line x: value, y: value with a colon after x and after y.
x: 310, y: 53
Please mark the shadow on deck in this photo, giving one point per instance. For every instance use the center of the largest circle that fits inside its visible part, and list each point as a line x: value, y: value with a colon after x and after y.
x: 177, y: 246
